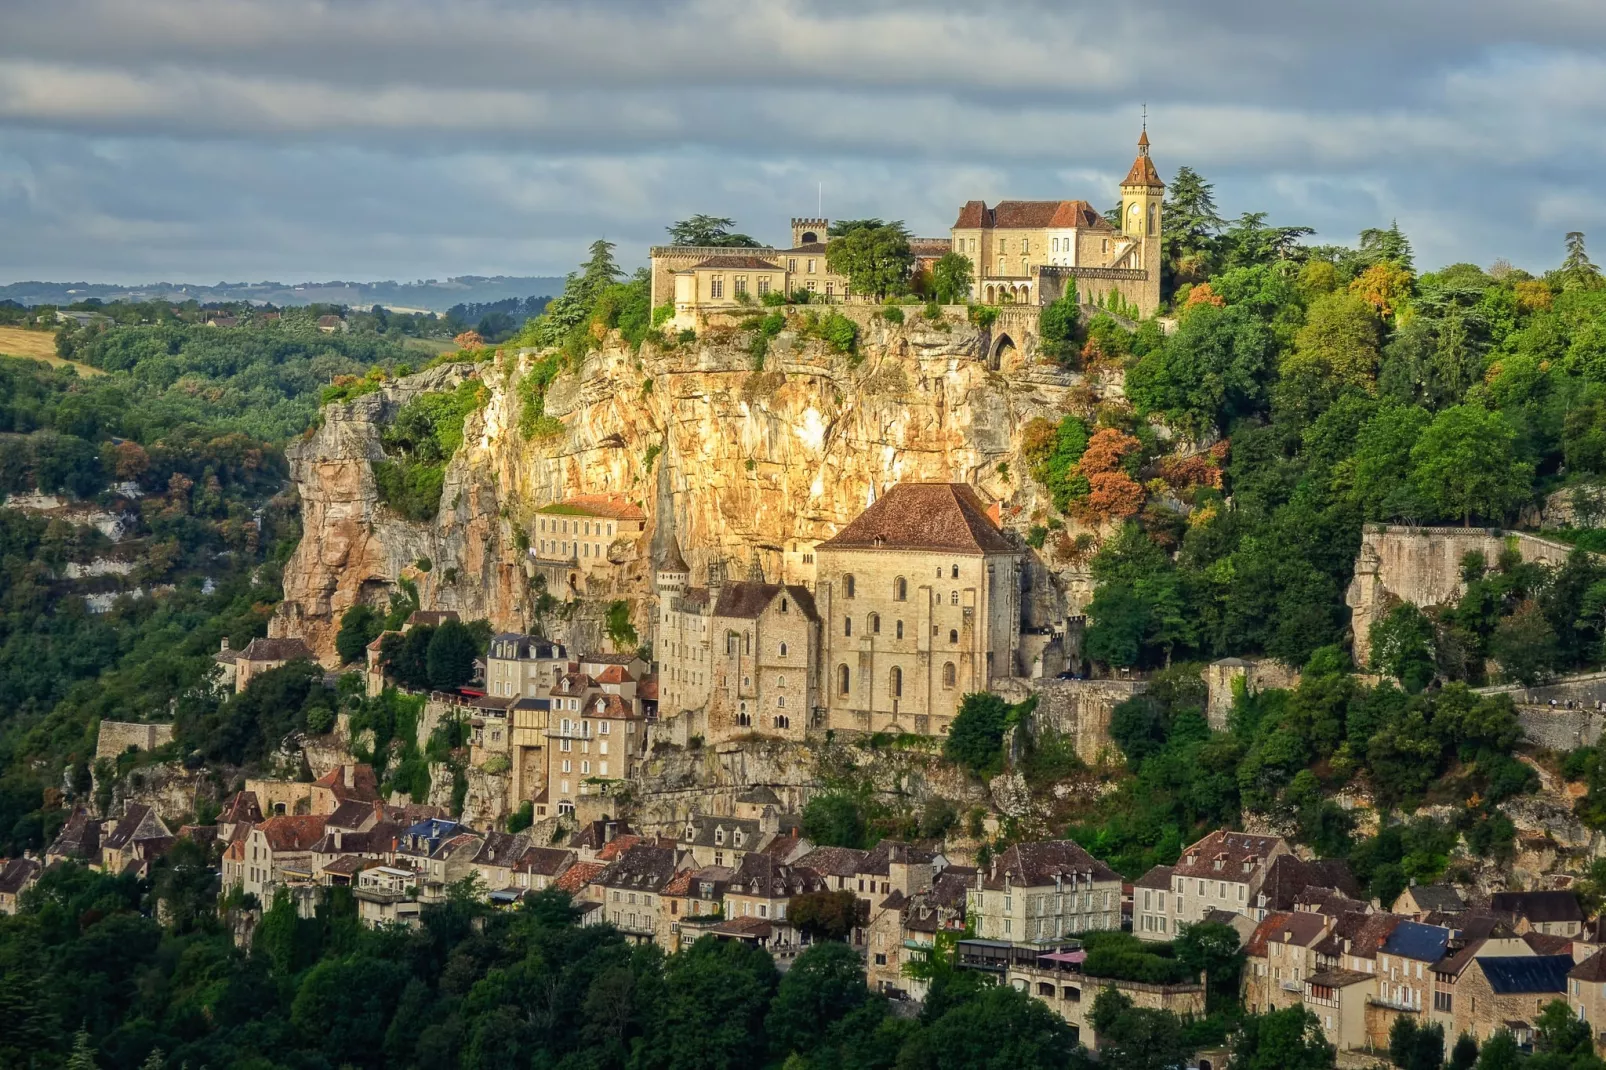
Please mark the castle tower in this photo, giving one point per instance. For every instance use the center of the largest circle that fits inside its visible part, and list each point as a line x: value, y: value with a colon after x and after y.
x: 810, y: 231
x: 1142, y: 200
x: 673, y: 572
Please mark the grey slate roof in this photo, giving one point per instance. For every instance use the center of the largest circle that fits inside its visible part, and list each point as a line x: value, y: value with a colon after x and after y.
x: 1413, y: 940
x: 1509, y: 974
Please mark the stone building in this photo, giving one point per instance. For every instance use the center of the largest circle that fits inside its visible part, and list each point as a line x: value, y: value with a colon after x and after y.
x: 1043, y: 892
x: 919, y: 599
x: 1280, y: 957
x: 1034, y: 252
x: 16, y: 875
x: 591, y: 741
x: 578, y: 538
x: 1510, y: 992
x: 1223, y: 871
x: 259, y: 656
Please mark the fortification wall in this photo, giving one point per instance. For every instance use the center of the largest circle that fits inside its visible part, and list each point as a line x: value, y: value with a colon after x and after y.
x: 118, y: 737
x: 1577, y: 718
x: 1423, y: 566
x: 1080, y: 710
x: 1259, y: 674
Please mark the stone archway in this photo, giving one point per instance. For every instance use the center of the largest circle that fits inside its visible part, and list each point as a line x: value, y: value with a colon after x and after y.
x: 1002, y: 345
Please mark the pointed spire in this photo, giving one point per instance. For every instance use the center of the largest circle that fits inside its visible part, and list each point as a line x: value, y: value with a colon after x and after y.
x: 673, y: 561
x: 755, y: 571
x: 1143, y: 172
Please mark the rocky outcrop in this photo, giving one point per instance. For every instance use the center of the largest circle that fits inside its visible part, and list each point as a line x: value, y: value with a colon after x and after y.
x: 748, y: 463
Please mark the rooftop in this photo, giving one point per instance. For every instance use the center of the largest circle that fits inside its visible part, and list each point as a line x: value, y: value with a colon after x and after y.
x: 943, y: 517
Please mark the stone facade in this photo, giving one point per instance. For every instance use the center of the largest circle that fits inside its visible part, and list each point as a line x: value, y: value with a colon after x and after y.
x: 1258, y: 674
x: 119, y: 737
x: 1080, y: 711
x: 578, y: 538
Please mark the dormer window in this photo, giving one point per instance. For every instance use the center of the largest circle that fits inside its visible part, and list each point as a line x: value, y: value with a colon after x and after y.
x: 719, y: 836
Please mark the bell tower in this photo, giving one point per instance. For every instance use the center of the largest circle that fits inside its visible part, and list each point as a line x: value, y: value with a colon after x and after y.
x: 1142, y: 203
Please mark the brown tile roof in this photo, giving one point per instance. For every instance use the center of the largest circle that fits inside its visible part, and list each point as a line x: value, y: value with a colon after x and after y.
x: 1033, y: 865
x: 544, y: 861
x: 673, y: 561
x: 615, y: 674
x: 16, y: 874
x: 364, y: 785
x: 1143, y: 172
x: 1548, y: 943
x: 1231, y: 850
x: 617, y: 846
x: 610, y: 659
x: 349, y: 865
x: 139, y: 822
x: 503, y: 849
x: 431, y: 618
x: 595, y: 833
x: 579, y: 875
x: 611, y: 506
x: 761, y: 875
x: 753, y: 263
x: 293, y: 832
x: 930, y: 248
x: 945, y: 517
x: 1029, y: 215
x: 1289, y: 875
x: 746, y: 599
x: 241, y: 806
x: 1287, y: 927
x: 78, y: 838
x: 1338, y: 978
x: 1591, y: 969
x: 572, y: 684
x: 276, y: 650
x: 834, y: 861
x: 877, y: 862
x: 609, y: 707
x: 1158, y: 877
x: 641, y: 867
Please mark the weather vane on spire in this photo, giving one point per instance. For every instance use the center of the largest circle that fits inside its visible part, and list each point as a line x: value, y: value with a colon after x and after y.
x: 1145, y: 117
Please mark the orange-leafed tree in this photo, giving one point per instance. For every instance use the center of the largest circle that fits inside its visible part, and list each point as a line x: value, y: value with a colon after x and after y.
x: 470, y: 339
x: 1112, y: 492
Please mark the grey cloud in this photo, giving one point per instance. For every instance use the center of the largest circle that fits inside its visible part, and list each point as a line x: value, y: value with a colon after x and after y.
x: 407, y: 137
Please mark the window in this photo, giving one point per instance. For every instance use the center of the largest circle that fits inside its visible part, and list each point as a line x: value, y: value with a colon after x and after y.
x: 953, y: 636
x: 716, y: 286
x: 843, y: 679
x: 783, y: 605
x: 811, y: 265
x: 763, y: 285
x: 895, y: 682
x: 948, y: 675
x: 1003, y: 245
x: 847, y: 586
x: 585, y: 768
x: 1001, y: 267
x: 953, y: 598
x: 783, y: 650
x: 955, y: 572
x: 830, y: 288
x: 791, y: 263
x: 900, y: 629
x: 973, y: 245
x: 875, y: 624
x: 740, y: 285
x: 603, y: 729
x: 847, y: 625
x: 743, y: 718
x: 1026, y: 245
x: 782, y: 721
x: 900, y: 589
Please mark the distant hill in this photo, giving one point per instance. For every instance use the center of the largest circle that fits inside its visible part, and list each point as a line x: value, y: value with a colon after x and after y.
x: 432, y: 295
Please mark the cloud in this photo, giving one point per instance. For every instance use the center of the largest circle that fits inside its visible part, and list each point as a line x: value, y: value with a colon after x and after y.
x: 398, y: 138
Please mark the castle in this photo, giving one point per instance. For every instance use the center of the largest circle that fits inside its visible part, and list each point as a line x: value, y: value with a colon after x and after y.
x: 913, y: 605
x: 1021, y: 252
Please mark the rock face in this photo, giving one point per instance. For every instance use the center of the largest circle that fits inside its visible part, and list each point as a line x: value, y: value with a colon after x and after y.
x: 749, y: 464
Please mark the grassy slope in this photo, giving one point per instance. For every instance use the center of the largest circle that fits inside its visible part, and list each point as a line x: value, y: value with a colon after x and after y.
x: 38, y: 345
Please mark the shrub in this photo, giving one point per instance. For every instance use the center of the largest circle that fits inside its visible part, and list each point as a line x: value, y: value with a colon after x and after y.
x: 800, y: 296
x: 840, y: 332
x: 663, y: 314
x: 424, y: 564
x: 413, y: 490
x: 686, y: 337
x: 983, y: 315
x: 892, y: 313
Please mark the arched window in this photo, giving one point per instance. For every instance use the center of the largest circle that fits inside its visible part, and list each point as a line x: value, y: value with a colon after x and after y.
x: 783, y: 650
x: 948, y: 675
x: 875, y: 624
x: 900, y: 589
x: 953, y: 636
x: 847, y: 586
x: 900, y: 629
x: 744, y: 718
x: 780, y: 702
x: 956, y: 572
x: 895, y: 683
x: 847, y: 625
x: 843, y: 679
x: 953, y: 598
x: 782, y: 721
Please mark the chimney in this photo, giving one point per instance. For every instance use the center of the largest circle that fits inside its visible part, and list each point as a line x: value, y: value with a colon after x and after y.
x: 340, y: 838
x: 224, y: 647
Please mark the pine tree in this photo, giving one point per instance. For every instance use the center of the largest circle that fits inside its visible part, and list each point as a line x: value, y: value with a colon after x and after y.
x: 1578, y: 272
x: 83, y: 1056
x: 1191, y: 226
x: 154, y: 1061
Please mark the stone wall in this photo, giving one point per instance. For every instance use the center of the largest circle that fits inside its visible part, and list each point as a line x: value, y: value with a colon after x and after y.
x: 1258, y: 674
x: 119, y: 737
x: 1575, y: 719
x: 1423, y: 566
x: 1081, y: 709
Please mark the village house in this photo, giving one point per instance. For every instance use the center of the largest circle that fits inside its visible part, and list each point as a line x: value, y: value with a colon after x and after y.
x: 760, y: 890
x: 905, y: 930
x: 1223, y: 871
x: 1586, y: 992
x: 1279, y: 957
x: 1552, y: 913
x: 1338, y: 998
x: 78, y: 841
x: 1289, y: 877
x: 1042, y: 893
x: 1405, y: 966
x: 633, y: 893
x: 1420, y: 900
x: 387, y: 895
x: 694, y: 896
x: 1478, y: 936
x: 260, y: 656
x: 278, y: 852
x: 580, y: 538
x: 343, y: 783
x: 137, y: 839
x: 593, y: 738
x: 540, y: 867
x: 16, y: 876
x: 1509, y: 992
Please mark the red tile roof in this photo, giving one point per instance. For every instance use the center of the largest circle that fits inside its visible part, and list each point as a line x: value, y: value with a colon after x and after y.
x: 945, y: 517
x: 579, y: 875
x: 293, y: 832
x: 1030, y: 215
x: 615, y: 674
x: 613, y: 506
x: 1143, y: 172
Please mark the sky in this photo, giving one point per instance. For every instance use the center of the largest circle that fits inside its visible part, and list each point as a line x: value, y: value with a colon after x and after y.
x: 242, y: 140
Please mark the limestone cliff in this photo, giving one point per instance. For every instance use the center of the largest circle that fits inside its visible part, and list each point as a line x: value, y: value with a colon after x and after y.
x: 747, y: 463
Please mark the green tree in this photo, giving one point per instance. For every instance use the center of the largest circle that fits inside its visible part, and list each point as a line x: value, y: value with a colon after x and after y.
x: 621, y: 633
x: 449, y: 658
x: 1464, y: 1056
x: 708, y: 230
x: 1389, y: 246
x: 1137, y: 1038
x: 976, y: 737
x: 1578, y: 272
x: 1211, y: 370
x: 1289, y: 1039
x: 1212, y: 950
x: 1378, y: 475
x: 1465, y: 464
x: 996, y: 1029
x: 828, y: 915
x: 709, y: 1013
x: 82, y: 1056
x: 834, y: 819
x: 1500, y: 1052
x: 824, y: 985
x: 359, y: 626
x: 875, y: 259
x: 1191, y: 226
x: 1402, y: 646
x: 1416, y: 1047
x: 1057, y: 327
x: 951, y: 278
